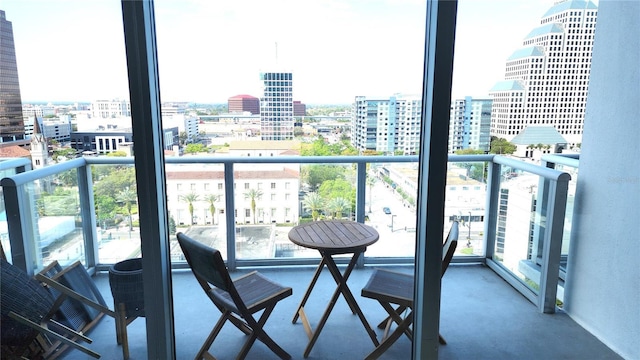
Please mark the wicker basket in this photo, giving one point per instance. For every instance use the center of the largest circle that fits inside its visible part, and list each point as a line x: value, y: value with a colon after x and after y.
x: 125, y: 279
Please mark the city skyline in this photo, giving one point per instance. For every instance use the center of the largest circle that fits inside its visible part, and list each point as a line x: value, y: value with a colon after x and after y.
x: 209, y: 52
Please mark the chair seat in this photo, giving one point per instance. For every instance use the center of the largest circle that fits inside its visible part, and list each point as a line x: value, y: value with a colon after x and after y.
x: 390, y: 286
x: 255, y: 290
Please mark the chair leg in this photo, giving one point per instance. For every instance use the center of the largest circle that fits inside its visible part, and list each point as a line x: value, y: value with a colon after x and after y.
x: 399, y: 310
x: 121, y: 330
x: 212, y: 336
x: 260, y: 334
x: 386, y: 343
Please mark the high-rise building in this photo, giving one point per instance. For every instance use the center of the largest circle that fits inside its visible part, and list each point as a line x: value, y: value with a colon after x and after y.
x: 11, y: 122
x: 469, y: 125
x: 547, y: 80
x: 244, y: 103
x: 106, y: 109
x: 299, y: 109
x: 276, y: 106
x: 387, y: 125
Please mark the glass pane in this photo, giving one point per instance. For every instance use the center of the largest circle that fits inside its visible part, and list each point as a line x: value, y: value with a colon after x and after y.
x: 465, y: 201
x: 196, y: 204
x: 393, y: 209
x: 518, y: 223
x: 116, y: 209
x: 57, y: 226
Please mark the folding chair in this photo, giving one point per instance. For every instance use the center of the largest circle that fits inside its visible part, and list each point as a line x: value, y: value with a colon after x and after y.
x: 237, y: 299
x: 390, y: 287
x: 27, y: 313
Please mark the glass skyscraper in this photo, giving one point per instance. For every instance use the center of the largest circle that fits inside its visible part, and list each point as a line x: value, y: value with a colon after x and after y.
x: 276, y: 106
x: 11, y: 121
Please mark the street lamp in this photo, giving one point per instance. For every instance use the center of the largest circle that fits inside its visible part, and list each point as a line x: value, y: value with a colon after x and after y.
x: 392, y: 216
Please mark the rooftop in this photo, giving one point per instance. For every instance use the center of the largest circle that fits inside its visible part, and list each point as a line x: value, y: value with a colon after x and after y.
x: 545, y: 29
x: 508, y: 85
x: 539, y: 135
x: 570, y: 5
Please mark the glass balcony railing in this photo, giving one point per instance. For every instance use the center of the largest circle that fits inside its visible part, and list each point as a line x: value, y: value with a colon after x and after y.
x: 86, y: 209
x: 567, y: 163
x: 9, y: 167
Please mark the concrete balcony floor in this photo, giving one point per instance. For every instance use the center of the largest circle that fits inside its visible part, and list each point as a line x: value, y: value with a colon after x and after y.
x: 482, y: 318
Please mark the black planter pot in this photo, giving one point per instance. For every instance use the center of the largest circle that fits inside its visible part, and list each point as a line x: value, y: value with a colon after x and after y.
x: 125, y: 279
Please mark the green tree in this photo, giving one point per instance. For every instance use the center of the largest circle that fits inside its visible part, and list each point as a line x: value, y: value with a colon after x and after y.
x: 106, y: 207
x: 68, y: 178
x: 195, y: 148
x: 172, y: 225
x: 314, y: 202
x: 331, y: 189
x: 317, y: 174
x: 211, y: 199
x: 253, y: 195
x: 182, y: 138
x: 501, y: 146
x: 190, y: 199
x: 128, y: 197
x: 337, y: 207
x: 475, y: 170
x: 113, y: 179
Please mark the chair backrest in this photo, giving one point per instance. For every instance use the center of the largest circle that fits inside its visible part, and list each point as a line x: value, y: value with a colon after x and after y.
x: 449, y: 246
x: 206, y: 263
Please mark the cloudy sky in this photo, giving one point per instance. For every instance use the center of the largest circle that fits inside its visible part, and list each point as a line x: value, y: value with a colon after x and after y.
x: 208, y: 51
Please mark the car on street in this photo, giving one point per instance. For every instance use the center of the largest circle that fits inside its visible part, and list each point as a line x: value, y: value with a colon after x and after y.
x: 386, y: 210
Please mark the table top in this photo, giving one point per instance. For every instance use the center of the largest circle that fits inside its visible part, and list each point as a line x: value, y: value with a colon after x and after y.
x: 339, y: 235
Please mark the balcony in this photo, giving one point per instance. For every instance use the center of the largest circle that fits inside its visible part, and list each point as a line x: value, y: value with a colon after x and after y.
x: 494, y: 198
x: 482, y: 318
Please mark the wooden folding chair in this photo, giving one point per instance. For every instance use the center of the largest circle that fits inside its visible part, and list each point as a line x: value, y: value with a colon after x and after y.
x: 28, y: 311
x: 390, y: 287
x: 237, y: 299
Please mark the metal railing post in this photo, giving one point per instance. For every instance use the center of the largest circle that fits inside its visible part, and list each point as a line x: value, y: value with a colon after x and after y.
x: 556, y: 201
x: 230, y: 215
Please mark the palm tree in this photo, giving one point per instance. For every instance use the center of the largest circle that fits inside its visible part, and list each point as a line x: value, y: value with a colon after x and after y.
x: 253, y: 194
x: 337, y: 206
x: 190, y: 199
x: 128, y: 197
x: 314, y: 202
x: 211, y: 199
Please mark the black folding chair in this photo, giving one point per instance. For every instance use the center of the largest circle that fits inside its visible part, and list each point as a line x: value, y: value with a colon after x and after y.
x: 237, y: 299
x: 390, y: 287
x: 29, y: 329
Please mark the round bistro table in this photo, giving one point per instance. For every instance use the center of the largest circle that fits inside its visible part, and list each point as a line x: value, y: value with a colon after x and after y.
x: 333, y: 237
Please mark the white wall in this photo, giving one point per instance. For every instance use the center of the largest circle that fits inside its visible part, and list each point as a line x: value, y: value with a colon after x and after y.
x: 603, y: 280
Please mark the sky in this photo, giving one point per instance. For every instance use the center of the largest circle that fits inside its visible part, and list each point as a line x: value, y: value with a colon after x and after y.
x: 208, y: 51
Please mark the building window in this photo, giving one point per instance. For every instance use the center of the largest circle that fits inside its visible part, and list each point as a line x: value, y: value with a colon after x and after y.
x: 206, y: 187
x: 219, y: 186
x: 273, y: 185
x: 179, y: 187
x: 246, y: 186
x: 247, y: 212
x: 193, y: 187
